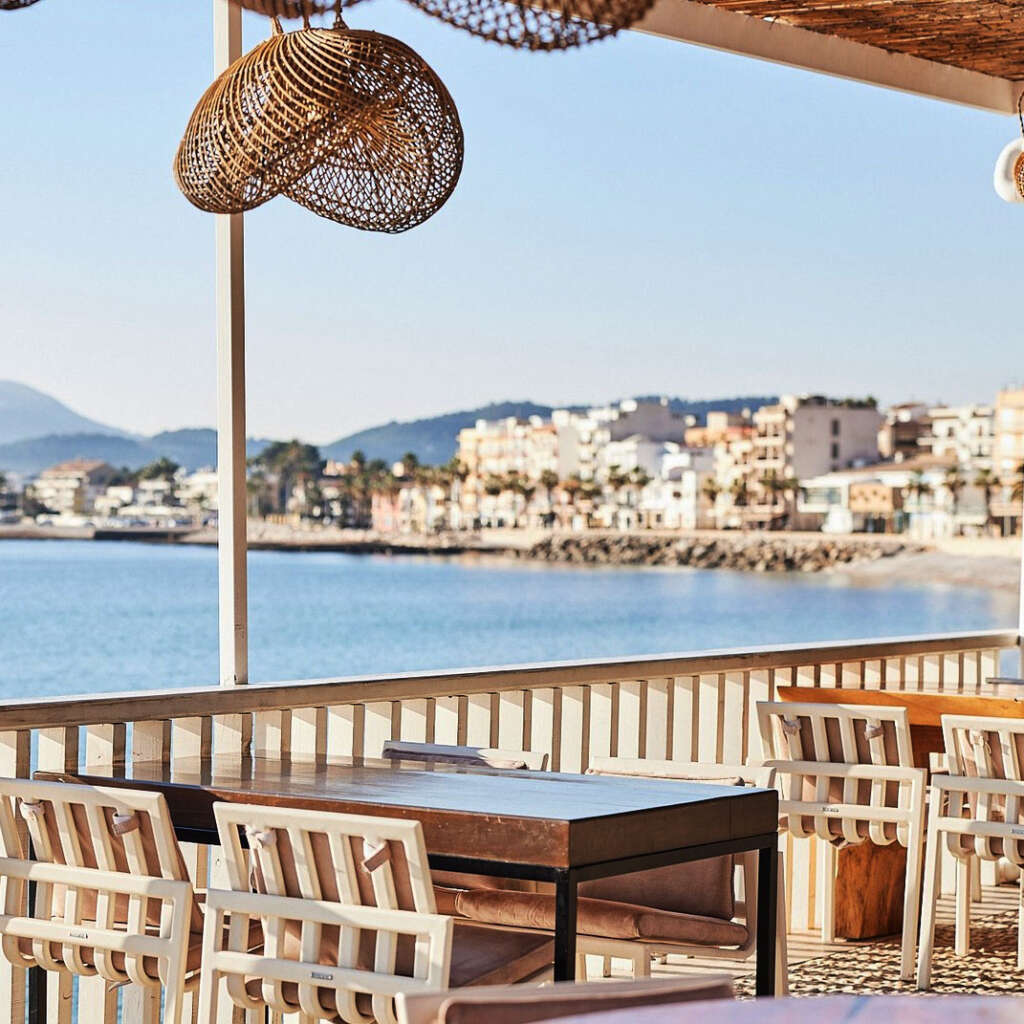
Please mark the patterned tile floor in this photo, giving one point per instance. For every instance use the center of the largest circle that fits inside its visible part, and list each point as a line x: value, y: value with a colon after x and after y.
x: 873, y: 967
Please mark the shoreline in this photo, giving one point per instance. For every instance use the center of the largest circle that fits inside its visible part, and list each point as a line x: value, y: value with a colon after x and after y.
x: 866, y: 559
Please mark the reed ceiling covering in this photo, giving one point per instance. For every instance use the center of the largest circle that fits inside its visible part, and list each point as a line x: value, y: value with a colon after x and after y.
x: 977, y: 35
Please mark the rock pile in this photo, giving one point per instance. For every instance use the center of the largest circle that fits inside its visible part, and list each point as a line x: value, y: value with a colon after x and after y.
x: 752, y: 552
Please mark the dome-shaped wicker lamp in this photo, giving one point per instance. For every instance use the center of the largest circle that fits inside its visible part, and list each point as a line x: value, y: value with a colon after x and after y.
x: 291, y: 8
x: 394, y: 153
x: 559, y: 25
x: 255, y: 130
x: 16, y: 5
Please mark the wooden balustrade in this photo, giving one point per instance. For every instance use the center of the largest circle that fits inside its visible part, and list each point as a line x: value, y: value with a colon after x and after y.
x: 697, y: 707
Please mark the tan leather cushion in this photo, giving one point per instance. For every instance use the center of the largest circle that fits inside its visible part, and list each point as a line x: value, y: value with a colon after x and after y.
x: 603, y: 918
x: 550, y: 1003
x: 480, y: 956
x: 703, y: 888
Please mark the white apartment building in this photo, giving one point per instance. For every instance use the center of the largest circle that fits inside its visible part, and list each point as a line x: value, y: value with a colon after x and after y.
x: 581, y: 436
x: 965, y: 433
x: 628, y: 456
x: 71, y: 488
x: 676, y: 499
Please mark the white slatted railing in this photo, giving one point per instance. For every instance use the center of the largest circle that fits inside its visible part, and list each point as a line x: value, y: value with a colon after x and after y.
x: 697, y: 707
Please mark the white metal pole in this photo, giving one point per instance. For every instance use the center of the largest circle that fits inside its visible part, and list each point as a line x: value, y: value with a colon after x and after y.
x: 234, y: 629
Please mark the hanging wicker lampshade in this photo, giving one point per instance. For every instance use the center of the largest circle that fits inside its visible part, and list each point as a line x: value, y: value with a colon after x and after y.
x: 394, y: 153
x: 255, y: 130
x: 14, y: 5
x: 558, y: 25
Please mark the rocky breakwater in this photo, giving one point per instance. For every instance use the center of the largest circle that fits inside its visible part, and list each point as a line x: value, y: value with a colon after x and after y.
x: 762, y: 552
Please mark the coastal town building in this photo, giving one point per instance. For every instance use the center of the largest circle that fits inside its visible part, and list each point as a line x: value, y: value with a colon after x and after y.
x: 926, y: 497
x: 899, y: 434
x: 678, y: 499
x: 71, y: 488
x: 505, y: 461
x: 1008, y: 459
x: 964, y: 433
x: 719, y: 426
x: 582, y: 435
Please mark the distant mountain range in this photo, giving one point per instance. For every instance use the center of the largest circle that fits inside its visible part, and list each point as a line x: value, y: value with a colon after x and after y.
x: 37, y: 431
x: 26, y: 413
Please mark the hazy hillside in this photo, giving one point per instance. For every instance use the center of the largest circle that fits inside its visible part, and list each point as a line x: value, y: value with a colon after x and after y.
x: 37, y: 431
x: 27, y: 413
x: 193, y: 448
x: 432, y: 439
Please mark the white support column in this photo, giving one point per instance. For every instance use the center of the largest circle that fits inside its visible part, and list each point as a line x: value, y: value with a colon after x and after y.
x: 234, y: 629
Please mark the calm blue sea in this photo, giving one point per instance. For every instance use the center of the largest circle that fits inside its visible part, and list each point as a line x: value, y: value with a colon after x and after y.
x: 81, y: 617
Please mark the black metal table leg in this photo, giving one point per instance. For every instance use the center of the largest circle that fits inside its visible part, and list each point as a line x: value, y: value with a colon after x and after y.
x: 565, y: 926
x: 767, y: 903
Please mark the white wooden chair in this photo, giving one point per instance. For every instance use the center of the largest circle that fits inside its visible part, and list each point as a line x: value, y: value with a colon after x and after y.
x: 678, y: 880
x: 348, y: 914
x: 977, y: 810
x: 481, y: 757
x: 846, y: 775
x: 112, y: 895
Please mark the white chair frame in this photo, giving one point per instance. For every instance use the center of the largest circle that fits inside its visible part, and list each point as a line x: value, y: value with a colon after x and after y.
x: 969, y: 809
x: 226, y: 963
x: 168, y: 944
x: 640, y: 952
x: 484, y: 757
x: 783, y: 749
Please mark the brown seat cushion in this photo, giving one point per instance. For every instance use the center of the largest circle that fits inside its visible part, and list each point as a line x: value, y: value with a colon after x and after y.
x: 703, y: 888
x: 604, y: 918
x: 480, y: 956
x: 552, y: 1002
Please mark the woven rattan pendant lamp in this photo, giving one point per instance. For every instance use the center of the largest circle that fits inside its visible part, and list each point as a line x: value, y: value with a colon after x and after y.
x: 559, y: 25
x: 255, y: 130
x: 289, y: 8
x: 394, y: 152
x: 16, y: 5
x: 353, y: 125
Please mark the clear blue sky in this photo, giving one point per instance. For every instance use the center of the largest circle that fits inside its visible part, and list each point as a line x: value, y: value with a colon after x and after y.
x: 640, y: 216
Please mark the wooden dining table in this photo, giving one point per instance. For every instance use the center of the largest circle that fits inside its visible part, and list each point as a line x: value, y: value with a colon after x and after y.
x: 542, y: 826
x: 869, y: 881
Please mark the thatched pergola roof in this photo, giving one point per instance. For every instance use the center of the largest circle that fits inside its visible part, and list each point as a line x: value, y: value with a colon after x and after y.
x: 971, y: 51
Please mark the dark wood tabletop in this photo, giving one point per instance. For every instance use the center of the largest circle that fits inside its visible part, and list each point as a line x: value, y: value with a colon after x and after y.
x: 542, y: 818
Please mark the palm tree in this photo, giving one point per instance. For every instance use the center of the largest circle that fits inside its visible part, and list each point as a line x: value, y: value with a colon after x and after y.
x: 919, y: 488
x: 985, y: 480
x: 740, y: 491
x: 954, y: 484
x: 1017, y: 493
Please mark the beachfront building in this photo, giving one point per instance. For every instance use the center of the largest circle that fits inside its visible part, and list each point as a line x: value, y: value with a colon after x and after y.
x: 801, y: 436
x: 71, y: 488
x: 718, y: 426
x: 1008, y: 459
x: 505, y: 461
x: 903, y: 426
x: 582, y: 435
x: 678, y: 499
x: 926, y: 497
x: 963, y: 433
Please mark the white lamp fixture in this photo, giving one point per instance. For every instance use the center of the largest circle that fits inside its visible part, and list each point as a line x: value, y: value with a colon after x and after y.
x: 1008, y: 178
